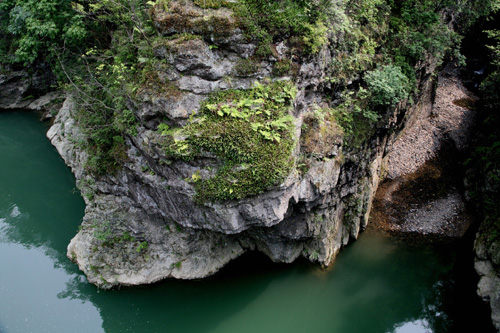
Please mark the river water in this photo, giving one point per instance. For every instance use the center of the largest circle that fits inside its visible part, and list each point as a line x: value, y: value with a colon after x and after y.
x: 377, y: 284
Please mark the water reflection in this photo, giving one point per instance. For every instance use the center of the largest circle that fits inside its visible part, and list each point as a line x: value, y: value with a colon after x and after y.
x: 39, y: 213
x: 434, y: 317
x: 28, y: 296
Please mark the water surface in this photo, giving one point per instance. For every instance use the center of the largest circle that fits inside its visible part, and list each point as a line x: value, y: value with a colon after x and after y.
x: 376, y: 285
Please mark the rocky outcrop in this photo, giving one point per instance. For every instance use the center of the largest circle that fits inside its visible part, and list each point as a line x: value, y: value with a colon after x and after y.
x: 122, y: 241
x: 22, y: 90
x: 143, y: 223
x: 303, y: 216
x: 486, y: 189
x: 486, y: 263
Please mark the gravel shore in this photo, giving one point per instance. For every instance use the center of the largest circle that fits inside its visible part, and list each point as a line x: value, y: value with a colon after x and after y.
x: 421, y: 196
x: 448, y: 121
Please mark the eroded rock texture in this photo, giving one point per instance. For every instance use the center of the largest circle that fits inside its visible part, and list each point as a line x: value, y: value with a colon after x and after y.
x: 143, y: 224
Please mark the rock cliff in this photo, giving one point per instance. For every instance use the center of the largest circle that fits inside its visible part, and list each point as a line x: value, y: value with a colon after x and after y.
x: 486, y: 263
x: 31, y: 91
x: 145, y: 222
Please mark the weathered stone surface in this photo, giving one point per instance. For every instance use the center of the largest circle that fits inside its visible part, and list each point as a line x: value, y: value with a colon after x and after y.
x: 14, y: 88
x: 23, y: 91
x: 104, y: 252
x: 303, y: 216
x: 169, y: 251
x: 236, y: 43
x: 142, y: 223
x: 488, y: 287
x: 176, y: 109
x: 194, y: 57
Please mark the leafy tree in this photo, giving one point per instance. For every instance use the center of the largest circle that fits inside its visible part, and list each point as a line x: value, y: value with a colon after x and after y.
x: 490, y: 87
x: 387, y: 85
x: 39, y: 29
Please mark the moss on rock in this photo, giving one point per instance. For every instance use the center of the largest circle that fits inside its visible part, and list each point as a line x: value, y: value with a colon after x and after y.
x: 252, y: 134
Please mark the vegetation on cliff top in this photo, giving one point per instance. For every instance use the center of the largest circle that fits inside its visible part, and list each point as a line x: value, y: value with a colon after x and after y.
x: 39, y: 29
x: 104, y: 52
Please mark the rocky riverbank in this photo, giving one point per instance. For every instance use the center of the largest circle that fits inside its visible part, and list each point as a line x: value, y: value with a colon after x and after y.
x: 423, y: 198
x: 30, y: 91
x: 448, y: 120
x: 422, y: 195
x: 424, y: 205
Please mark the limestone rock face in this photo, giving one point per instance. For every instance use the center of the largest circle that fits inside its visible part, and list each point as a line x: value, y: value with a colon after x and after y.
x: 142, y: 223
x: 21, y: 90
x: 487, y: 266
x: 123, y: 239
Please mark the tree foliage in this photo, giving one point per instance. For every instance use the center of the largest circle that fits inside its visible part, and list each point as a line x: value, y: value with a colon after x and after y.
x: 387, y: 85
x: 484, y: 163
x: 39, y: 29
x: 490, y: 87
x: 378, y: 45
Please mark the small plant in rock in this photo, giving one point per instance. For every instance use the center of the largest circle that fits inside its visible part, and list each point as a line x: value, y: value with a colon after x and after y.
x: 285, y: 66
x: 321, y: 134
x: 214, y: 4
x: 143, y: 246
x: 164, y: 129
x: 315, y: 37
x: 246, y: 67
x: 102, y: 231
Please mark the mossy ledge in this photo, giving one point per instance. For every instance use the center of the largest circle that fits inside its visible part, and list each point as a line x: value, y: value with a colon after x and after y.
x: 251, y: 132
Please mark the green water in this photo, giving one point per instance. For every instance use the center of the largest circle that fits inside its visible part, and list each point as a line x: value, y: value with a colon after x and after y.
x: 376, y: 284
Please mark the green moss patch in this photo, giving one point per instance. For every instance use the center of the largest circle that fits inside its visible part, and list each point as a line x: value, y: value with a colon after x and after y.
x: 246, y: 67
x: 214, y: 4
x: 183, y: 17
x: 251, y: 132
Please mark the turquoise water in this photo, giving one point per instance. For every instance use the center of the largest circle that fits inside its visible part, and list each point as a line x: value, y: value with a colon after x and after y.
x: 376, y: 285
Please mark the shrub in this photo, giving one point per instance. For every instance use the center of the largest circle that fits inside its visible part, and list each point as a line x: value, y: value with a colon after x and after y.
x: 315, y: 37
x: 268, y: 21
x: 386, y: 85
